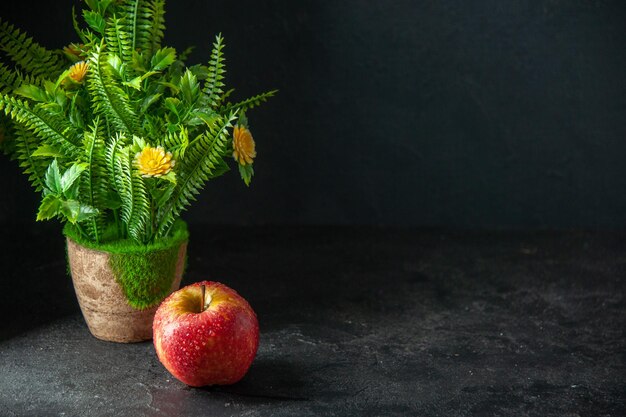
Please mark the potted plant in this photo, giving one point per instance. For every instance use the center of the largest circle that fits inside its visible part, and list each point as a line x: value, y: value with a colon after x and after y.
x: 118, y: 135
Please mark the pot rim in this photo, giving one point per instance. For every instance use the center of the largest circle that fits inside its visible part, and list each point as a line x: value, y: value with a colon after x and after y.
x: 179, y: 237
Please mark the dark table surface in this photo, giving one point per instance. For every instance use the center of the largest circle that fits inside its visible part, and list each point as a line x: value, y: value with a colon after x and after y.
x: 354, y: 321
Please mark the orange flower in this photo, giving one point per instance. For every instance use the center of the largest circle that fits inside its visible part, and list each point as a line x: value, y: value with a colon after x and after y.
x: 154, y: 162
x: 243, y: 144
x: 78, y: 71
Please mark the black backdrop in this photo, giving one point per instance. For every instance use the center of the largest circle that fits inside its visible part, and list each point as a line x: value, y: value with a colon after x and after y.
x: 453, y: 113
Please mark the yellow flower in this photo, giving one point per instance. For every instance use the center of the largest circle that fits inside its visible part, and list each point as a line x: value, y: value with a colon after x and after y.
x: 154, y: 162
x: 243, y: 144
x: 78, y: 71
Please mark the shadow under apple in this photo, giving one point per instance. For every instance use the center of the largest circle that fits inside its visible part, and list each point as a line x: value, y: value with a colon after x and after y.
x: 268, y: 380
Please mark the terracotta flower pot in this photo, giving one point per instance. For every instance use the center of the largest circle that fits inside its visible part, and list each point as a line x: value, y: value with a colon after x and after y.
x: 103, y: 298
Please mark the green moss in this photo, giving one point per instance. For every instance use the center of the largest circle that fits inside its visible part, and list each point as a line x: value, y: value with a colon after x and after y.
x: 145, y: 272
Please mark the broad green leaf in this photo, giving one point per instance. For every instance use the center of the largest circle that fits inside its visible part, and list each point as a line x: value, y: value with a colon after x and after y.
x: 61, y: 78
x: 200, y: 71
x: 172, y: 103
x: 71, y: 175
x: 93, y: 4
x: 104, y: 5
x: 32, y: 92
x: 208, y: 118
x: 95, y: 21
x: 53, y: 178
x: 173, y: 87
x: 148, y: 101
x: 76, y: 116
x: 72, y: 192
x: 138, y: 144
x: 49, y: 208
x: 149, y: 74
x: 134, y: 83
x: 161, y: 196
x: 48, y: 151
x: 117, y: 65
x: 242, y: 120
x: 138, y: 62
x: 50, y: 87
x: 56, y: 102
x: 170, y: 176
x: 189, y: 87
x: 112, y: 201
x: 86, y: 212
x: 71, y: 210
x: 162, y: 59
x: 246, y: 172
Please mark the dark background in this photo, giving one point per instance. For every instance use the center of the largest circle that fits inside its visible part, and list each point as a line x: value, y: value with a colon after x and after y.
x: 447, y: 113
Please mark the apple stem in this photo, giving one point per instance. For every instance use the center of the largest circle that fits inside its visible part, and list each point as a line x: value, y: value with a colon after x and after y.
x: 202, y: 301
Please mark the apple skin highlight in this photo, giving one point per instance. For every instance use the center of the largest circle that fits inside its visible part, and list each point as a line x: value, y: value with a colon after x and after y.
x: 213, y: 344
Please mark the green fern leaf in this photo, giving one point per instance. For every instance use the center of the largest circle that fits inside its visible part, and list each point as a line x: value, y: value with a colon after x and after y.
x: 140, y: 218
x: 214, y: 84
x: 134, y: 195
x: 137, y: 22
x: 176, y: 143
x: 157, y: 25
x: 94, y: 187
x: 162, y: 59
x: 109, y: 98
x: 118, y: 40
x: 48, y: 126
x: 25, y: 144
x: 249, y: 103
x: 29, y: 55
x: 112, y: 147
x: 203, y: 160
x: 9, y: 79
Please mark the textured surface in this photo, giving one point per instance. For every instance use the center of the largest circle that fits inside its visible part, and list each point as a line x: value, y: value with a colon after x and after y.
x: 353, y: 322
x: 490, y: 113
x: 103, y: 302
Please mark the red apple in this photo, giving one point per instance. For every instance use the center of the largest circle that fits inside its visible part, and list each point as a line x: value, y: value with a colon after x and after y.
x: 206, y: 334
